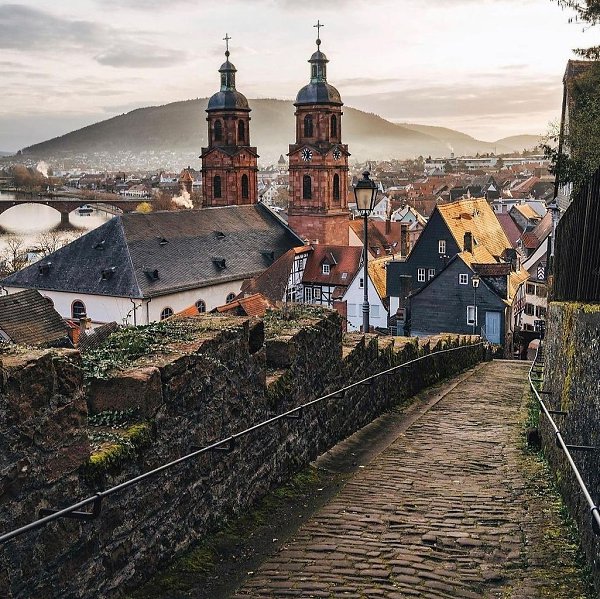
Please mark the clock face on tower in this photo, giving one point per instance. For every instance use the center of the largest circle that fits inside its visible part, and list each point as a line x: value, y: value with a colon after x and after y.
x: 336, y: 154
x: 306, y: 155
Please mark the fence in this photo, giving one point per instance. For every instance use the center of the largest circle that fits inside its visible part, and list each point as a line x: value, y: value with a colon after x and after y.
x: 577, y: 248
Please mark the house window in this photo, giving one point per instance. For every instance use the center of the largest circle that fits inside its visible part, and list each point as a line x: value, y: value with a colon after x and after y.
x: 78, y: 310
x: 471, y: 315
x: 217, y: 186
x: 336, y: 187
x: 245, y: 190
x: 541, y: 291
x: 317, y: 293
x: 308, y: 126
x: 352, y: 310
x: 442, y: 246
x: 326, y: 269
x: 421, y: 275
x: 308, y: 295
x: 530, y: 289
x: 201, y: 306
x: 230, y: 297
x: 166, y: 313
x: 361, y: 283
x: 334, y: 126
x: 540, y: 311
x: 218, y: 131
x: 431, y: 273
x: 463, y: 279
x: 241, y: 131
x: 529, y: 309
x: 374, y: 311
x: 306, y: 187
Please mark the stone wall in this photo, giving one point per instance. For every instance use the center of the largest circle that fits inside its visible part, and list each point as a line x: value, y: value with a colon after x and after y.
x: 572, y: 375
x: 196, y: 392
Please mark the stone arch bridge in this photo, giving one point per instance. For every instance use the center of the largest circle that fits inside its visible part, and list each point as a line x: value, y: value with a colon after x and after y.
x: 66, y: 204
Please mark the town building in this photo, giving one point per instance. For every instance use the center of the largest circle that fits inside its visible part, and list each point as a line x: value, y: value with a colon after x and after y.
x: 229, y: 162
x: 318, y: 161
x: 140, y: 268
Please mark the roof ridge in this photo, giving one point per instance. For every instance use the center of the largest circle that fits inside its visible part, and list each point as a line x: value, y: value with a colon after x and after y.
x: 124, y: 234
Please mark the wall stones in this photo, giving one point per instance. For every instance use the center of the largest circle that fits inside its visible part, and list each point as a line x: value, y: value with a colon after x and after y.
x: 189, y: 396
x: 572, y: 374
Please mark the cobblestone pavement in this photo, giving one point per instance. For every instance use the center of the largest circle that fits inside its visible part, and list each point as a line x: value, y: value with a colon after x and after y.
x: 448, y: 510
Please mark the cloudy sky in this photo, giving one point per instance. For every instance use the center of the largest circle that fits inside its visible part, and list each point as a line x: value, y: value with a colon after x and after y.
x: 490, y: 68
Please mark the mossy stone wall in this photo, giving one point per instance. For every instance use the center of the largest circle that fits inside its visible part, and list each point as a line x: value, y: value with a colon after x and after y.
x: 216, y: 384
x: 572, y: 375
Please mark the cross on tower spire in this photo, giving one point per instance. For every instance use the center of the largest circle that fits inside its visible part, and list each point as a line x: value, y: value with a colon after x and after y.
x: 226, y: 40
x: 318, y: 26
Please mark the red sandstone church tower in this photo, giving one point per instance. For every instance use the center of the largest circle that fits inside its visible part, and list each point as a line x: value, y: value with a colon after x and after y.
x: 229, y: 162
x: 318, y: 208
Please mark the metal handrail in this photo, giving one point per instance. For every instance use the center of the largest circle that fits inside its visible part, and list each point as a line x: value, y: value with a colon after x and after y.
x: 594, y: 509
x: 73, y: 511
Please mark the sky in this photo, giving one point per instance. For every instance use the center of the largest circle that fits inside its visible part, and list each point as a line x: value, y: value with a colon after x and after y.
x: 489, y: 68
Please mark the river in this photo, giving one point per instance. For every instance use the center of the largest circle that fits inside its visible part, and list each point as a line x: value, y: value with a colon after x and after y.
x: 28, y: 222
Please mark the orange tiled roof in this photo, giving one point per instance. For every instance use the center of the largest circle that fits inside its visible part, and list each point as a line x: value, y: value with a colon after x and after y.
x: 377, y: 274
x: 477, y: 217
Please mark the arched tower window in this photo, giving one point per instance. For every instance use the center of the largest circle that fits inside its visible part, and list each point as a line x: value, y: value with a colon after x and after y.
x: 201, y: 306
x: 217, y: 186
x: 241, y: 131
x: 308, y: 125
x: 334, y: 126
x: 336, y: 187
x: 245, y: 187
x: 218, y: 131
x: 306, y: 187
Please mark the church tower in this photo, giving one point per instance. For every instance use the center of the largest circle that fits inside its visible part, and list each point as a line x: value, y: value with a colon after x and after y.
x: 229, y: 171
x: 318, y: 161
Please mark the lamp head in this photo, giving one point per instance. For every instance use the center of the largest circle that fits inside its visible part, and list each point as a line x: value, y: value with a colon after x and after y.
x: 365, y: 192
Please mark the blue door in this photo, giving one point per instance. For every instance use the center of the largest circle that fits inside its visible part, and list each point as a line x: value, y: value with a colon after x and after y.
x: 492, y: 327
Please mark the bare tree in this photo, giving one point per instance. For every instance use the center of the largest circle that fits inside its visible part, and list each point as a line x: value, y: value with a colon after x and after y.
x: 163, y: 201
x: 13, y: 256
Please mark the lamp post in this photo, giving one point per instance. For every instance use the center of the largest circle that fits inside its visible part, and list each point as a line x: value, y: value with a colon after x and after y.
x: 475, y: 283
x: 365, y: 192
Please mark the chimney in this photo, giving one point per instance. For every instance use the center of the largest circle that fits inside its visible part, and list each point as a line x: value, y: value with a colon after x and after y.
x: 388, y: 225
x: 84, y: 323
x: 468, y: 242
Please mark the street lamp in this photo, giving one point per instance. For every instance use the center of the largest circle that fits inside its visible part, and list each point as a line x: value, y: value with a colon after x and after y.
x: 365, y: 193
x: 475, y: 283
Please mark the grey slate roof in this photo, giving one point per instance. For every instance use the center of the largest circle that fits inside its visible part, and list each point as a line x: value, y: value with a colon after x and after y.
x: 28, y: 319
x: 147, y: 255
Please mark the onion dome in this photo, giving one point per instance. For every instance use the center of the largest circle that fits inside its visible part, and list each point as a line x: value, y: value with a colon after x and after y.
x: 318, y: 91
x: 228, y: 98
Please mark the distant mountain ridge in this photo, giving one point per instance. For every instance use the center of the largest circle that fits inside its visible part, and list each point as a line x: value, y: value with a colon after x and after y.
x: 181, y: 127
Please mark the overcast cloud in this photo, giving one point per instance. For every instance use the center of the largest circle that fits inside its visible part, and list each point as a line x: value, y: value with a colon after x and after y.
x: 491, y: 68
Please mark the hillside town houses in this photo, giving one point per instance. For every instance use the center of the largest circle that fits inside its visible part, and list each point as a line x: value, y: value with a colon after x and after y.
x: 261, y: 236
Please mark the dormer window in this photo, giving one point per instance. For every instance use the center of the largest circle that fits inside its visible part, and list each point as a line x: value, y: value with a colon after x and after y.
x: 152, y: 274
x: 219, y: 263
x: 107, y: 273
x: 44, y: 268
x: 325, y: 268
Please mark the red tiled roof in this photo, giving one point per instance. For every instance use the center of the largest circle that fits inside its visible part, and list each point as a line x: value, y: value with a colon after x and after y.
x: 378, y: 238
x: 347, y: 260
x: 492, y: 270
x: 512, y: 230
x: 252, y: 305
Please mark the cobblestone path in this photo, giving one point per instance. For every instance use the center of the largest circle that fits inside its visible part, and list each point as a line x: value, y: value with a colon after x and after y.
x: 448, y: 510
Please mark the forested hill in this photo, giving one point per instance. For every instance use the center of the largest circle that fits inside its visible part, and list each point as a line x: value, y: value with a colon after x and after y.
x: 181, y: 127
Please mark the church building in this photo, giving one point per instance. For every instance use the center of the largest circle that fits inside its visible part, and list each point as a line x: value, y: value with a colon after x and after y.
x: 318, y: 161
x: 229, y: 171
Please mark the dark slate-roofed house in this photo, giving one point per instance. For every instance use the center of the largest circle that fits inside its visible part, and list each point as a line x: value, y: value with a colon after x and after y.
x: 140, y: 268
x: 28, y: 318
